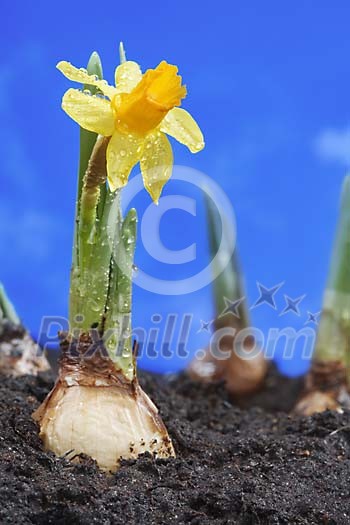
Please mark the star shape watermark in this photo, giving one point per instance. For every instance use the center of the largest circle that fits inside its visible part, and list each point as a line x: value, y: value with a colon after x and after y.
x: 205, y: 326
x: 292, y: 305
x: 312, y: 318
x: 267, y: 295
x: 232, y: 307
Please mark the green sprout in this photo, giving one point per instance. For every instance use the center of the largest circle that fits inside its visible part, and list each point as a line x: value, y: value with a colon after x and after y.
x: 333, y: 341
x: 229, y: 283
x: 242, y: 376
x: 7, y: 310
x: 327, y: 382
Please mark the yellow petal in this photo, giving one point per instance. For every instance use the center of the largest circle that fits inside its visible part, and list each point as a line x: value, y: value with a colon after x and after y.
x: 143, y: 109
x: 156, y: 163
x: 82, y: 76
x: 179, y: 124
x: 90, y: 112
x: 127, y: 76
x: 123, y: 152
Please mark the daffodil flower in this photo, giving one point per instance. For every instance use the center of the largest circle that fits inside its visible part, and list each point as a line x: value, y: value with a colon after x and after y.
x: 137, y: 114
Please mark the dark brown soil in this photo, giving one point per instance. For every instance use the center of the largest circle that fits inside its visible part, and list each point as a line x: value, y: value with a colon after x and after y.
x: 233, y: 466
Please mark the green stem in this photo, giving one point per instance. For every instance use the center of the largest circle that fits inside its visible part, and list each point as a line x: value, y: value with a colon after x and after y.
x: 333, y: 340
x: 87, y: 142
x: 100, y: 260
x: 102, y: 201
x: 95, y: 176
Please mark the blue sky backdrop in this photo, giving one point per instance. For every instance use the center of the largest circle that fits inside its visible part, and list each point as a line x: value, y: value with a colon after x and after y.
x: 269, y: 84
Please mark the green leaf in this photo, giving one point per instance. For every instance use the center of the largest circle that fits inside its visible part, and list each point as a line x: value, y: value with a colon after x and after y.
x: 118, y: 311
x: 333, y: 339
x: 339, y: 277
x: 7, y: 310
x: 87, y: 138
x: 87, y: 142
x: 230, y: 283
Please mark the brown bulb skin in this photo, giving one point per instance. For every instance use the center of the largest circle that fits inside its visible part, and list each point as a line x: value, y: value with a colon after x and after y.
x: 94, y: 409
x: 325, y: 388
x: 242, y: 376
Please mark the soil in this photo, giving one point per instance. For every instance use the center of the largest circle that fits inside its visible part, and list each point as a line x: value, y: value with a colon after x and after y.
x: 234, y: 465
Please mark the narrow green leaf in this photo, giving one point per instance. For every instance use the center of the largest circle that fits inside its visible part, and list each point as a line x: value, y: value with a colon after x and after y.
x: 333, y: 340
x: 7, y: 310
x: 87, y: 138
x: 229, y: 285
x: 87, y: 142
x: 99, y: 265
x: 118, y: 312
x: 339, y: 278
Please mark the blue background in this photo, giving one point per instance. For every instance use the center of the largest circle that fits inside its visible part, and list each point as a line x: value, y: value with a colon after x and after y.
x: 269, y: 84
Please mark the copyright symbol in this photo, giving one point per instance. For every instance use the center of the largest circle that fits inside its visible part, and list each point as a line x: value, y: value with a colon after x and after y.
x: 150, y: 237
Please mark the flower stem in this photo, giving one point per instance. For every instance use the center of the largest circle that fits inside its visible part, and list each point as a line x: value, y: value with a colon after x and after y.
x: 87, y: 237
x: 87, y: 142
x: 98, y: 277
x: 95, y: 176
